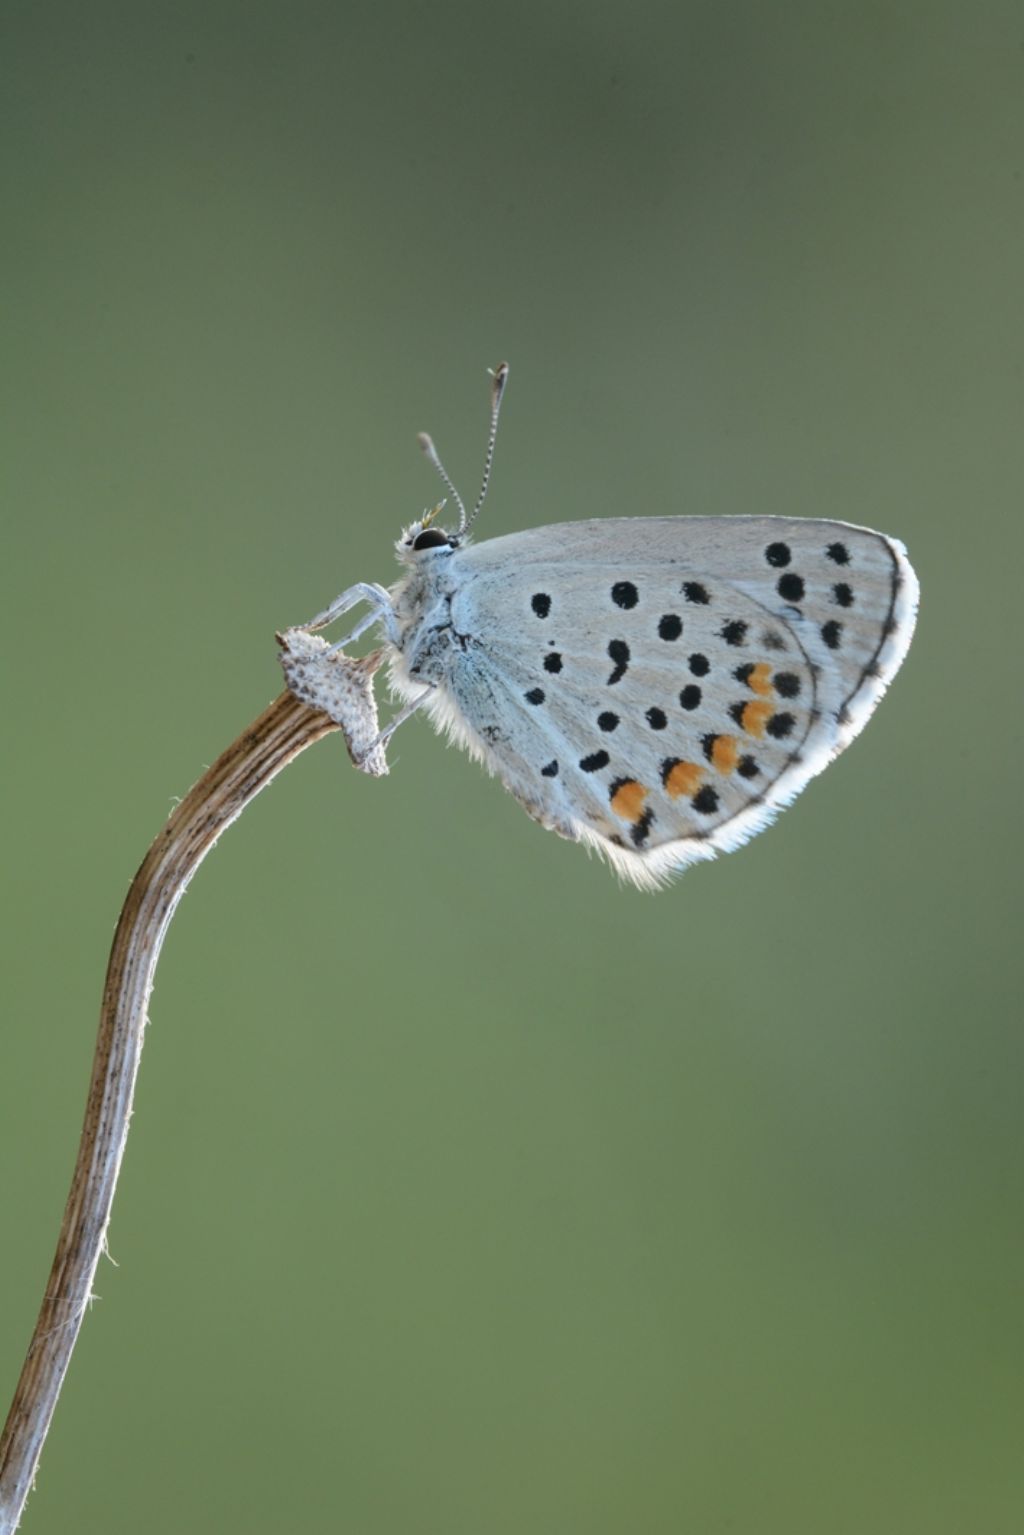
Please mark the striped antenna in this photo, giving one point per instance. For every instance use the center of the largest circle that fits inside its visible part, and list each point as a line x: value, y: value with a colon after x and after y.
x: 499, y: 378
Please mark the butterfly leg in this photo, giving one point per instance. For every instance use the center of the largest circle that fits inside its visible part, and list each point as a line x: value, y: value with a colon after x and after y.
x: 364, y: 591
x: 400, y: 718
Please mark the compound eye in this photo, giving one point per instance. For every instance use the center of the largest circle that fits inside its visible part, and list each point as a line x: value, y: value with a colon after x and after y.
x: 430, y: 538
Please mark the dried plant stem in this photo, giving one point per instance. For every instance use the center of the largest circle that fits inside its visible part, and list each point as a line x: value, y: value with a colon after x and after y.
x: 248, y: 765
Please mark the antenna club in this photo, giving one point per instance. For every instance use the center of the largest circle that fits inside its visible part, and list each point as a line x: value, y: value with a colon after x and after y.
x: 499, y: 378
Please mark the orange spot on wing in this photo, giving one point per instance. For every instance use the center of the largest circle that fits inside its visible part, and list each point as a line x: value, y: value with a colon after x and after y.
x: 684, y: 778
x: 628, y: 800
x: 755, y: 716
x: 725, y: 753
x: 760, y: 679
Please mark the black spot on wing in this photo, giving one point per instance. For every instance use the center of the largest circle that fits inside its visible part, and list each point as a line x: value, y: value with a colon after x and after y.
x: 705, y: 800
x: 640, y: 830
x: 618, y: 652
x: 780, y: 726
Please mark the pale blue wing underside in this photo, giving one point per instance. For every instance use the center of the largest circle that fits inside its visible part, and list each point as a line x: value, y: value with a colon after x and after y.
x: 660, y: 687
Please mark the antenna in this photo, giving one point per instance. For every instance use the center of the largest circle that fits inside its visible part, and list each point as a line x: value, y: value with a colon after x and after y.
x: 427, y: 444
x: 499, y: 377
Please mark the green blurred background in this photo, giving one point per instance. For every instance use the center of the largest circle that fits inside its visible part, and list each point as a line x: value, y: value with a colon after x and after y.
x: 469, y: 1191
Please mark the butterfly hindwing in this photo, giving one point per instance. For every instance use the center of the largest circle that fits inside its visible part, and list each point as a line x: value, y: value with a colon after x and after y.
x: 660, y: 687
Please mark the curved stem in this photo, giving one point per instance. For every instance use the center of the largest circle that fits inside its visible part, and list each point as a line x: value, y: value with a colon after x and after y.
x: 248, y: 765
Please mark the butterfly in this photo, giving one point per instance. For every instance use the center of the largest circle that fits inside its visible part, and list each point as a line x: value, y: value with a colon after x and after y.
x: 656, y: 688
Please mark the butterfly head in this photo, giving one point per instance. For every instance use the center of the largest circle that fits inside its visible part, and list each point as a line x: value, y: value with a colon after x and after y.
x: 423, y: 538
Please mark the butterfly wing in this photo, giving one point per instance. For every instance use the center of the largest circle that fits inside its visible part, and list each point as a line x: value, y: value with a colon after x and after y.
x: 660, y: 687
